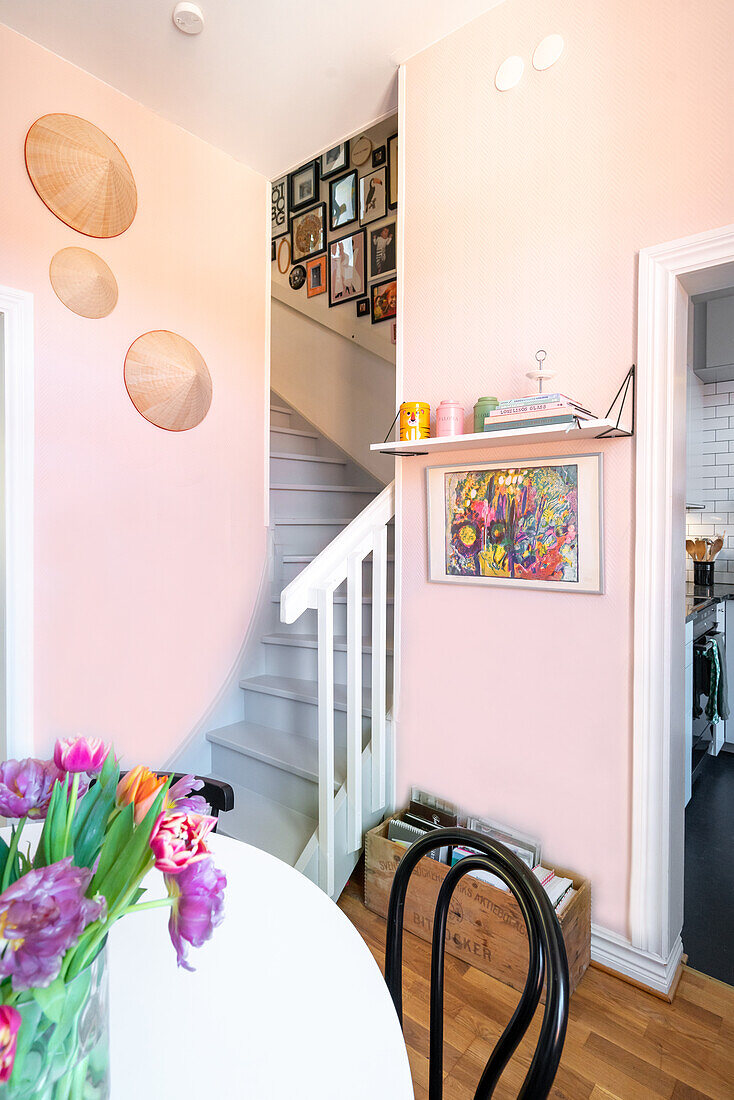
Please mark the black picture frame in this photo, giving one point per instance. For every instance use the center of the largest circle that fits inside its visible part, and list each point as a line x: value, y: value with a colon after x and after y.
x: 373, y: 289
x: 362, y: 293
x: 333, y: 223
x: 338, y: 164
x: 373, y: 196
x: 272, y: 252
x: 297, y: 256
x: 363, y: 307
x: 377, y: 271
x: 392, y: 171
x: 297, y: 277
x: 280, y: 214
x: 379, y: 156
x: 311, y: 168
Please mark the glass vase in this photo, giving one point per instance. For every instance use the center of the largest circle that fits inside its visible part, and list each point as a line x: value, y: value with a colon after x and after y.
x: 63, y: 1040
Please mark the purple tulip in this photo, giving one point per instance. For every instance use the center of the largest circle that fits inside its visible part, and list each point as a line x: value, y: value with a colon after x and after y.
x: 41, y: 916
x: 198, y: 906
x: 179, y: 796
x: 26, y: 787
x: 80, y: 754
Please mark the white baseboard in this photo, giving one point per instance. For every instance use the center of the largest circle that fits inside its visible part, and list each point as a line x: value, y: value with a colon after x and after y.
x: 613, y: 951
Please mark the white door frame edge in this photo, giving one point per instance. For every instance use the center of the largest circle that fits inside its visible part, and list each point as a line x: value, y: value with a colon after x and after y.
x: 17, y: 309
x: 656, y: 881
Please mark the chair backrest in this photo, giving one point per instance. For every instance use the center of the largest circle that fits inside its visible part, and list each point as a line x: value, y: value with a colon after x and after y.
x: 547, y: 959
x: 217, y: 793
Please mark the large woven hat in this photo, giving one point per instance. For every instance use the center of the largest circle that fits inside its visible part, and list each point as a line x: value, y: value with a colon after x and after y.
x: 83, y: 282
x: 168, y: 381
x: 81, y: 175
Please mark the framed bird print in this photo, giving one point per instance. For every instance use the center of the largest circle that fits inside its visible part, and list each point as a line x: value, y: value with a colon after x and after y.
x: 372, y: 197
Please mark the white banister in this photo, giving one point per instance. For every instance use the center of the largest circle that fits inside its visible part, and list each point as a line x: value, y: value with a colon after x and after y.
x: 379, y: 665
x: 326, y: 738
x: 313, y: 588
x: 354, y: 701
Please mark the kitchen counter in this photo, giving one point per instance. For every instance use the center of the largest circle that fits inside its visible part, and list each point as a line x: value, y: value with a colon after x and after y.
x: 699, y: 596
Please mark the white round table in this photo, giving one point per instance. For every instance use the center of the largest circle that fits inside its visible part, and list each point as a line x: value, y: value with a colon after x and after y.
x: 286, y: 1001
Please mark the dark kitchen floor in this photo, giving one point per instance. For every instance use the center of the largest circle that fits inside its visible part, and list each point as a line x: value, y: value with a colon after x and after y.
x: 708, y: 928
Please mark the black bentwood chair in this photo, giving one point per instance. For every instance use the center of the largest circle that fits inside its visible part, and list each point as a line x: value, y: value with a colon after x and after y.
x: 217, y: 793
x: 547, y: 958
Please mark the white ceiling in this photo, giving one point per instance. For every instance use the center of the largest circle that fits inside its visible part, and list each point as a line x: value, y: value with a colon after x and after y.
x: 272, y: 82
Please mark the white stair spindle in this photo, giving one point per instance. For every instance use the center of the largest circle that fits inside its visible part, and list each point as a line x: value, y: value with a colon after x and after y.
x: 379, y: 666
x: 326, y: 737
x: 354, y: 702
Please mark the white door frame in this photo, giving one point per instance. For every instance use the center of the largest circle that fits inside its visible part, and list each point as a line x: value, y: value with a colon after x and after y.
x: 656, y: 888
x: 17, y: 309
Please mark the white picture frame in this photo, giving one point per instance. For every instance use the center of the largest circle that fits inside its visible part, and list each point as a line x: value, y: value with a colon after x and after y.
x: 542, y: 530
x: 280, y: 214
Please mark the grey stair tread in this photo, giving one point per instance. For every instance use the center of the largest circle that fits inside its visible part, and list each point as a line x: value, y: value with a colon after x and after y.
x: 280, y: 748
x: 266, y: 824
x: 303, y: 691
x: 293, y: 559
x: 308, y: 458
x: 307, y: 521
x: 316, y: 488
x: 311, y: 641
x: 294, y: 431
x: 281, y: 409
x: 338, y: 599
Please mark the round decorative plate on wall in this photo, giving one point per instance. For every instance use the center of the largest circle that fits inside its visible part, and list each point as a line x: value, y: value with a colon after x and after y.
x: 83, y: 282
x: 297, y: 277
x: 81, y: 175
x: 168, y: 381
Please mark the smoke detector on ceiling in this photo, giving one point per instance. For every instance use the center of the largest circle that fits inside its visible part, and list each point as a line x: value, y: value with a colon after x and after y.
x: 189, y: 18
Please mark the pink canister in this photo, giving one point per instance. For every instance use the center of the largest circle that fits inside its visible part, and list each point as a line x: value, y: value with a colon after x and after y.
x: 450, y: 418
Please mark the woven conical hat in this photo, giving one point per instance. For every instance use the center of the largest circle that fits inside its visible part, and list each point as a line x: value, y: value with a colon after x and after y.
x: 81, y: 175
x: 83, y: 282
x: 168, y: 381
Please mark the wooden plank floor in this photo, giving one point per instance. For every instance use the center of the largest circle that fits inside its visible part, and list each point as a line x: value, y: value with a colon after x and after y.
x: 621, y: 1043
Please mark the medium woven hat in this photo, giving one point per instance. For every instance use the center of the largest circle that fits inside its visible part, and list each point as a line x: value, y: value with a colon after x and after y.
x: 168, y: 381
x: 83, y: 282
x: 81, y: 175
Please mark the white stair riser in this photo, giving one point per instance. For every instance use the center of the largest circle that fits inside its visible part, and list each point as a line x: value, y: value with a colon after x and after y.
x: 274, y: 783
x: 301, y: 663
x: 299, y: 471
x: 328, y: 504
x: 280, y: 419
x: 293, y: 444
x: 291, y: 714
x: 306, y: 624
x: 288, y: 570
x: 295, y: 538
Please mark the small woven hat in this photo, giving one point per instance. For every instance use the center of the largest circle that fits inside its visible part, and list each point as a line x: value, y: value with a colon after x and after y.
x: 81, y: 175
x: 83, y: 282
x: 168, y: 381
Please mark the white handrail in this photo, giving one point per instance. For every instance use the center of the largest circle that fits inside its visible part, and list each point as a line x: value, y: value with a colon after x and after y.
x: 314, y: 588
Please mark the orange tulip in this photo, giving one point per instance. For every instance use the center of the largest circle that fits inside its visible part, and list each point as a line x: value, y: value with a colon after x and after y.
x: 140, y: 786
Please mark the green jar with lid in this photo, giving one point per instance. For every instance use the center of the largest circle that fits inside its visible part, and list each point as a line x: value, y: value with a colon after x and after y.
x: 483, y: 406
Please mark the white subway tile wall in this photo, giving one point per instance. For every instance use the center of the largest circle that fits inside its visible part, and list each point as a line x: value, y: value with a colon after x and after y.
x: 717, y: 485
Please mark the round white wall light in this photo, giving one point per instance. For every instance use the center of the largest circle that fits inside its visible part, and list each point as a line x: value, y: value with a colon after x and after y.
x: 547, y: 52
x: 509, y: 73
x: 189, y: 18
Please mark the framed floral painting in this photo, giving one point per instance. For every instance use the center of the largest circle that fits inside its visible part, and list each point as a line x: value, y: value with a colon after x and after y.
x: 532, y: 524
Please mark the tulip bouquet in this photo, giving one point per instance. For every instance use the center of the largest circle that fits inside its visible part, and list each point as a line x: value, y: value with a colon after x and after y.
x: 101, y: 836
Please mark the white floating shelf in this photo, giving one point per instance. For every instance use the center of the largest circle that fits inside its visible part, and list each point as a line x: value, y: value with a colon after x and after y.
x: 591, y: 429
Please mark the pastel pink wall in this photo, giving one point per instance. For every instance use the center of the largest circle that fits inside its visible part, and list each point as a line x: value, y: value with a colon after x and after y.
x: 149, y: 544
x: 524, y: 213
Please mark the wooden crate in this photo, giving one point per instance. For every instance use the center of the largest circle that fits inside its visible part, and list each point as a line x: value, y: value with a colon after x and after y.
x: 485, y: 926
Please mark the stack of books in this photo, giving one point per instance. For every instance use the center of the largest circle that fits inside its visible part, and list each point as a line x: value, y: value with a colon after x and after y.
x: 559, y: 889
x: 539, y: 411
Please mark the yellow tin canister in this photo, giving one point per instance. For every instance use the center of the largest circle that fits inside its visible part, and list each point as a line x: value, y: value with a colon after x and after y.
x: 415, y: 420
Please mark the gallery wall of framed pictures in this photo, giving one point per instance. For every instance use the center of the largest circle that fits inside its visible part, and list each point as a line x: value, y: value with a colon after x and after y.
x: 335, y: 217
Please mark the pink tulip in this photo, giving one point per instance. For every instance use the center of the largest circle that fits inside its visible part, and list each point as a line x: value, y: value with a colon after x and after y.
x: 9, y: 1023
x: 178, y: 839
x: 80, y: 754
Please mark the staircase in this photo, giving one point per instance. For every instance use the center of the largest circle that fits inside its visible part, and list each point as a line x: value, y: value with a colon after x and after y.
x: 309, y: 760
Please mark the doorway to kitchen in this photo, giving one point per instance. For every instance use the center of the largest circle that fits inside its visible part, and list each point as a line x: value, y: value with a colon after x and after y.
x: 709, y: 652
x: 670, y: 277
